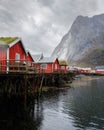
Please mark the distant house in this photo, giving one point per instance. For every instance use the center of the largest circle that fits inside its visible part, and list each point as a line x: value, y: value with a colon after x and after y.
x: 48, y: 65
x: 11, y: 50
x: 63, y: 65
x: 85, y: 70
x: 99, y: 70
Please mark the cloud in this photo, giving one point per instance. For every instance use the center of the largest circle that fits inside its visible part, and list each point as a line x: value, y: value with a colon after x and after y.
x: 42, y: 23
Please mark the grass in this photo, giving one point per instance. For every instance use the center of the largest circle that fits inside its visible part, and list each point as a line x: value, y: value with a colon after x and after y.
x: 8, y: 40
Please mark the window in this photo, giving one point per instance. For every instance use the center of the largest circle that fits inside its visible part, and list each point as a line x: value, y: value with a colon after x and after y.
x: 17, y: 57
x: 43, y: 66
x: 29, y: 64
x: 62, y: 67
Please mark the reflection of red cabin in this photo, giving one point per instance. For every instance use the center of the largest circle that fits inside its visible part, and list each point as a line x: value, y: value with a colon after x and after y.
x: 11, y: 50
x: 48, y: 65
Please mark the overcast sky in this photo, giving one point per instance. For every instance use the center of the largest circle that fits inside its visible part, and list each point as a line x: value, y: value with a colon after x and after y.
x: 42, y: 23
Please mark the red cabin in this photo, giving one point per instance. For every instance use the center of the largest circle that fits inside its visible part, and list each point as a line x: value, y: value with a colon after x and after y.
x: 99, y: 70
x: 36, y: 59
x: 48, y: 65
x: 62, y: 66
x: 11, y: 51
x: 29, y: 59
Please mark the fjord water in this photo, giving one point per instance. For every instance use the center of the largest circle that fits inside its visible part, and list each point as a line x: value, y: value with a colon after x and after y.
x: 79, y: 107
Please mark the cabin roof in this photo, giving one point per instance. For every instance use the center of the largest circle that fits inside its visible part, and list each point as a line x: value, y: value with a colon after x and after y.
x: 63, y: 62
x: 10, y: 41
x: 37, y: 57
x: 99, y: 67
x: 47, y: 60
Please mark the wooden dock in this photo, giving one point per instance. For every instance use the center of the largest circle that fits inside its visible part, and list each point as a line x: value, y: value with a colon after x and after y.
x: 19, y: 79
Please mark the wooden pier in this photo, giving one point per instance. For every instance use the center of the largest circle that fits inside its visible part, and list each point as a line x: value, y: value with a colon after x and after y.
x: 20, y: 79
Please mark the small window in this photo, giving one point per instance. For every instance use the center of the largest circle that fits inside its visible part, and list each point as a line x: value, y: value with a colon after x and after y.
x: 17, y: 57
x: 43, y: 66
x: 29, y: 64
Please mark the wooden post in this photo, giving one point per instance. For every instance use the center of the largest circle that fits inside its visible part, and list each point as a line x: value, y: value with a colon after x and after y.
x: 26, y: 66
x: 40, y: 88
x: 25, y: 91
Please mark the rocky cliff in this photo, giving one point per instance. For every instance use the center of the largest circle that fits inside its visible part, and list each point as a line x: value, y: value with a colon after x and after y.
x: 84, y: 43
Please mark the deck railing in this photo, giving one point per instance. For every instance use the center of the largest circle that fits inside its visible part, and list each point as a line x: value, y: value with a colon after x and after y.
x: 18, y: 66
x: 24, y: 66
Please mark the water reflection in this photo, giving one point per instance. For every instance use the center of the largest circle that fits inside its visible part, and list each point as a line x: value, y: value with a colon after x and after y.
x: 80, y: 107
x: 86, y: 105
x: 13, y: 115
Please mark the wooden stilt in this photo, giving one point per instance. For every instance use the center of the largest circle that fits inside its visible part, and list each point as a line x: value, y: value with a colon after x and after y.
x: 25, y: 91
x: 40, y: 88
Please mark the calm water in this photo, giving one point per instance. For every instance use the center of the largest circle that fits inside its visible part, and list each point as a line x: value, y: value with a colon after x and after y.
x: 80, y: 107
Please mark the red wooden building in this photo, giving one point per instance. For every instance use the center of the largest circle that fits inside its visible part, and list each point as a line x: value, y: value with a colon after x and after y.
x: 62, y: 66
x: 99, y: 70
x: 36, y: 59
x: 85, y: 70
x: 29, y: 59
x: 48, y: 65
x: 11, y: 51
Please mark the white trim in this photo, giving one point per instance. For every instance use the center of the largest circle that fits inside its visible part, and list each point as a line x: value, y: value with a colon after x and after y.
x: 17, y: 57
x: 16, y: 41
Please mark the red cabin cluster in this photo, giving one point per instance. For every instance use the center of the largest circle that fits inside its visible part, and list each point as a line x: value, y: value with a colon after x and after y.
x: 80, y: 70
x: 50, y: 65
x: 13, y: 53
x: 99, y: 70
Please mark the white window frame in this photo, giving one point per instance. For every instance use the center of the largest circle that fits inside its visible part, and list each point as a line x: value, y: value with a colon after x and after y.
x: 17, y: 57
x: 62, y: 67
x: 43, y: 66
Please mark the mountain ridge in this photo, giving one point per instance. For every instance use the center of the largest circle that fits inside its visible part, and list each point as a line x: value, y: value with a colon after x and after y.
x: 85, y: 34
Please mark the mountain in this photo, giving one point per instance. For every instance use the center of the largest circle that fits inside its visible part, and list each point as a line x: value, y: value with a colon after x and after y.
x: 83, y: 45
